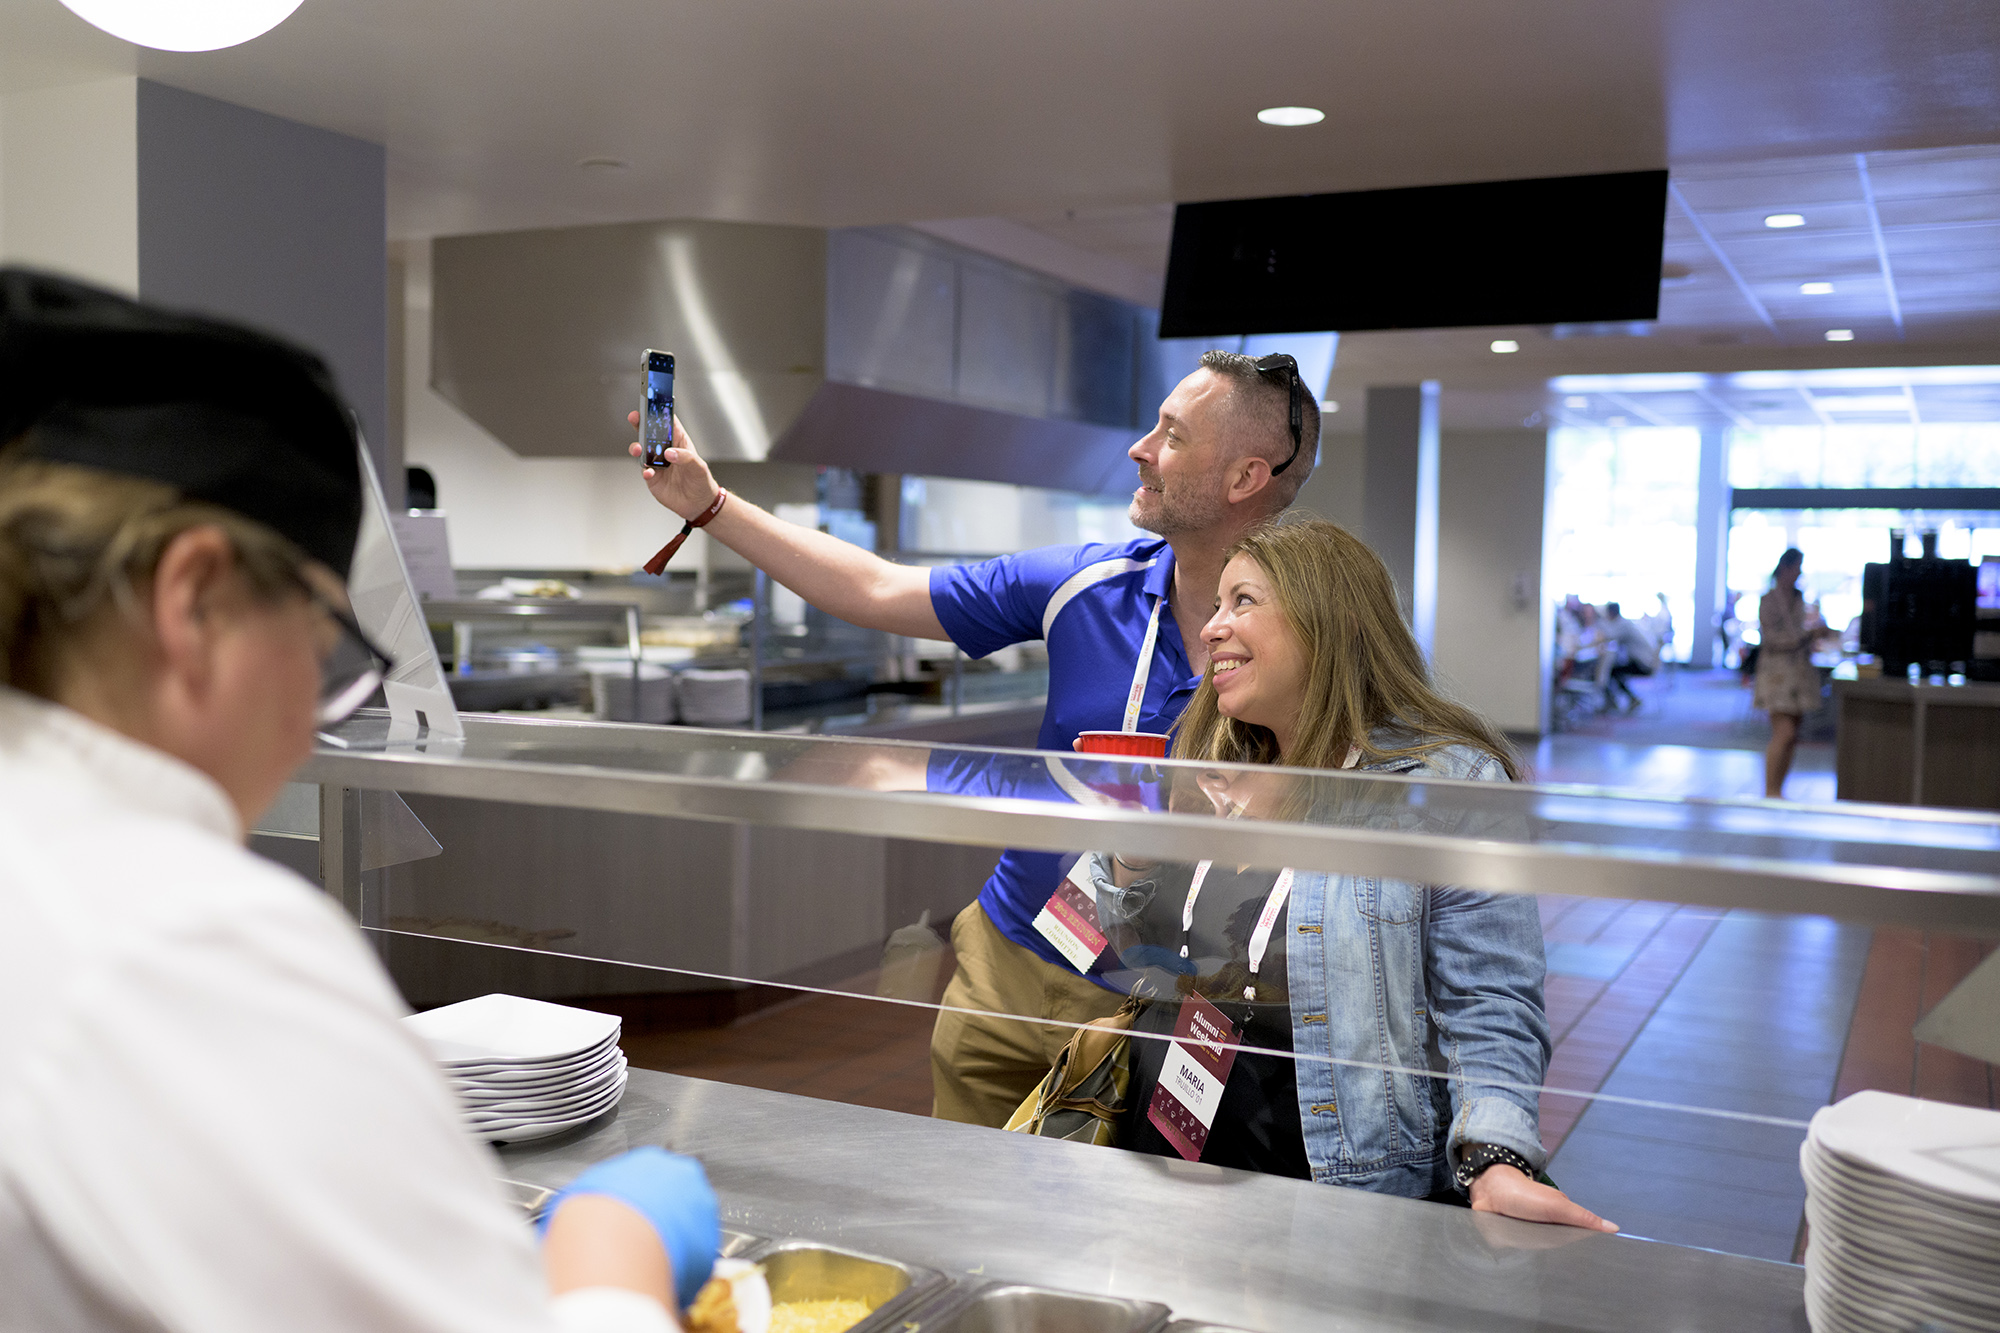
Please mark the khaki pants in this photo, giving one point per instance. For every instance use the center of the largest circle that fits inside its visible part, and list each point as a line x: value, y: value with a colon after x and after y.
x: 983, y: 1067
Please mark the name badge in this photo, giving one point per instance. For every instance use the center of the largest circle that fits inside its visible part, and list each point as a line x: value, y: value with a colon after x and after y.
x: 1192, y: 1077
x: 1069, y: 921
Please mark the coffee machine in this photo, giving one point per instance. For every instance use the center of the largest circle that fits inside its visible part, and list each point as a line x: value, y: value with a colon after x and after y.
x: 1920, y: 611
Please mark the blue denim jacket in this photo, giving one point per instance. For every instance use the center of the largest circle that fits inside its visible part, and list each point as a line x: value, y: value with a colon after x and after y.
x: 1418, y: 977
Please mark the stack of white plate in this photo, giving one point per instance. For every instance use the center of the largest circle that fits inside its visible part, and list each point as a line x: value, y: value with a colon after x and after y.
x: 715, y: 698
x: 615, y: 696
x: 525, y: 1069
x: 1903, y: 1198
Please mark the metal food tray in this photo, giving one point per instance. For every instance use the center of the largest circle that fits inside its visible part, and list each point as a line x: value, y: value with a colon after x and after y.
x: 1202, y: 1326
x: 735, y: 1244
x: 809, y: 1270
x: 1018, y: 1308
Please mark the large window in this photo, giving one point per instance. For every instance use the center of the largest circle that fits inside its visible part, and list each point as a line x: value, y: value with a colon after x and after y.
x: 1951, y: 453
x: 1837, y: 543
x: 1622, y: 520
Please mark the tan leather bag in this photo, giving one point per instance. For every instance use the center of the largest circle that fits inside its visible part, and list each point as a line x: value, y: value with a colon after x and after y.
x: 1082, y: 1097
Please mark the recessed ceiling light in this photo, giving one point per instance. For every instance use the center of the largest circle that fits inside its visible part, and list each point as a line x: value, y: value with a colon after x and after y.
x: 1576, y: 403
x: 1615, y: 421
x: 605, y: 164
x: 1782, y: 220
x: 184, y: 25
x: 1505, y: 345
x: 1840, y: 335
x: 1815, y: 289
x: 1291, y: 115
x: 1329, y: 406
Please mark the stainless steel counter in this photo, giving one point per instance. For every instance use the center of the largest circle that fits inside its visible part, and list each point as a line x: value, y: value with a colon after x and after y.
x: 1249, y: 1250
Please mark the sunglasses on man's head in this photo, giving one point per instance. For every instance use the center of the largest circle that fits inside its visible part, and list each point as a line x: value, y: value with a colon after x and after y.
x: 1281, y: 363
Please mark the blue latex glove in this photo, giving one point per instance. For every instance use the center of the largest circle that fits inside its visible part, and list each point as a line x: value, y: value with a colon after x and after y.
x: 672, y: 1193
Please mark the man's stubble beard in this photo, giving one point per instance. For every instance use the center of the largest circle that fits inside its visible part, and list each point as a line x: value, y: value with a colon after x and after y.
x: 1185, y: 509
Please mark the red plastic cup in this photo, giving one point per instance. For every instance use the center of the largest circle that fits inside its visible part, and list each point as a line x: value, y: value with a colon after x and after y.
x: 1138, y: 744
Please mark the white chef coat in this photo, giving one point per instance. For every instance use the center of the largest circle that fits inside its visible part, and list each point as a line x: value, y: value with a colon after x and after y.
x: 210, y: 1117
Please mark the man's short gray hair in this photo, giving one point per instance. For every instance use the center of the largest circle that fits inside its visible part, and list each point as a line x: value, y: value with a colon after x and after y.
x: 1266, y: 401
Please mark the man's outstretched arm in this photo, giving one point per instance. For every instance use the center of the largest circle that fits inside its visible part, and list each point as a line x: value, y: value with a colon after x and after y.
x: 838, y: 577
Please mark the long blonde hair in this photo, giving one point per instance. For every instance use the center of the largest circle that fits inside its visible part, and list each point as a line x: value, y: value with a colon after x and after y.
x: 1365, y: 671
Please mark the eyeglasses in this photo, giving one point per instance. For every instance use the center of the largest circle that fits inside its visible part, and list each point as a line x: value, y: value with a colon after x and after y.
x: 1281, y: 363
x: 354, y: 670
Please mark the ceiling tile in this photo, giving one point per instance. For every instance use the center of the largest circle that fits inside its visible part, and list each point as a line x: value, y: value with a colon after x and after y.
x: 1825, y: 220
x: 1921, y: 174
x: 1930, y: 210
x: 1969, y: 241
x: 1798, y: 192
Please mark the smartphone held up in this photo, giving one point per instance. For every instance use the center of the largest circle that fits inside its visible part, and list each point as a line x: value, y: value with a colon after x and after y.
x: 656, y: 418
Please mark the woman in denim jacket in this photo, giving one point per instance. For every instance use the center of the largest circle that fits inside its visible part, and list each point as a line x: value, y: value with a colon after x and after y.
x: 1312, y: 667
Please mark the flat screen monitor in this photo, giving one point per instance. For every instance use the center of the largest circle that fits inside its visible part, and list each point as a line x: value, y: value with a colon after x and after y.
x: 1989, y: 584
x: 1560, y: 250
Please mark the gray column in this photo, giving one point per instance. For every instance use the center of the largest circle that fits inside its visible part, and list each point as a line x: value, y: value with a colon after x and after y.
x: 280, y: 225
x: 1711, y: 542
x: 1399, y: 506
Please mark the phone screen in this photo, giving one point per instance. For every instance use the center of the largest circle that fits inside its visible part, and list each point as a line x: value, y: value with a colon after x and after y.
x: 657, y: 420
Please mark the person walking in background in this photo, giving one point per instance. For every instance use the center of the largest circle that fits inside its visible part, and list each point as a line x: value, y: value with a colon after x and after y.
x: 1787, y: 681
x: 1625, y: 649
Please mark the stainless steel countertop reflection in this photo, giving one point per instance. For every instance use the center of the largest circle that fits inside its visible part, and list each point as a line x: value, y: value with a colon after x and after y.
x: 1894, y: 864
x: 1242, y: 1249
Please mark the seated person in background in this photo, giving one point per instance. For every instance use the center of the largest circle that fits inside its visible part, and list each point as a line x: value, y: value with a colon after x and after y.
x: 1627, y: 651
x: 1313, y: 667
x: 211, y: 1117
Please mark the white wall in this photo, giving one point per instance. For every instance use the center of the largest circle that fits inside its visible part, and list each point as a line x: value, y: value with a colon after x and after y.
x: 1489, y: 618
x: 509, y: 511
x: 1488, y: 651
x: 69, y: 181
x: 1333, y: 491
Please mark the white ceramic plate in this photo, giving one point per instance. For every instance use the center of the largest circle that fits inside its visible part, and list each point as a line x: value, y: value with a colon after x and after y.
x: 1952, y: 1150
x: 507, y: 1029
x: 1904, y: 1281
x: 609, y: 1091
x: 504, y: 1075
x: 492, y: 1086
x: 1966, y: 1243
x: 540, y: 1129
x: 570, y: 1099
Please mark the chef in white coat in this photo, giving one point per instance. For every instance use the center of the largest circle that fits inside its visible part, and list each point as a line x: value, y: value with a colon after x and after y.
x: 210, y: 1116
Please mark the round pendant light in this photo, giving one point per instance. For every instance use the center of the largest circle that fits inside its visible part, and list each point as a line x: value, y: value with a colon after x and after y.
x: 184, y: 25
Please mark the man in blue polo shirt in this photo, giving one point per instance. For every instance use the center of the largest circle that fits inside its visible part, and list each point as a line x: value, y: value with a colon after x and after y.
x: 1234, y: 442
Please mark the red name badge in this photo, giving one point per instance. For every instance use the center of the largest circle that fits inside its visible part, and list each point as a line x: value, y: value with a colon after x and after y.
x: 1069, y: 921
x: 1192, y: 1077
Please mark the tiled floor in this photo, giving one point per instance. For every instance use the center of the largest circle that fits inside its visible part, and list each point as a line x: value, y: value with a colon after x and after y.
x: 1688, y: 1006
x: 1754, y: 1022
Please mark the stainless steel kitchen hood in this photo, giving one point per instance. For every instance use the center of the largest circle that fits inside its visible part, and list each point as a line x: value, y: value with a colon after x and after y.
x: 879, y: 349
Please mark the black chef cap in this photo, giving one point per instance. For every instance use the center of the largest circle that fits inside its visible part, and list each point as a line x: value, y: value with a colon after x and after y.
x: 217, y: 411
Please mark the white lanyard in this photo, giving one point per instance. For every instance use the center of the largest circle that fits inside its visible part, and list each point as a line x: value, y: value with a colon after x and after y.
x: 1145, y: 668
x: 1274, y: 903
x: 1267, y: 920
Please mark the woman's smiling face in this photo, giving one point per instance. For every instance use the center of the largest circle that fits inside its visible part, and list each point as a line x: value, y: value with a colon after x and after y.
x: 1255, y: 659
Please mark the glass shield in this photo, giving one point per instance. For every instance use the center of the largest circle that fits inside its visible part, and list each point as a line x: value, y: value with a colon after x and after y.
x: 386, y: 607
x: 1645, y: 1000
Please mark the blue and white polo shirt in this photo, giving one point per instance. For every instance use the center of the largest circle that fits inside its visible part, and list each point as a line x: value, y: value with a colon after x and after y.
x: 1091, y: 605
